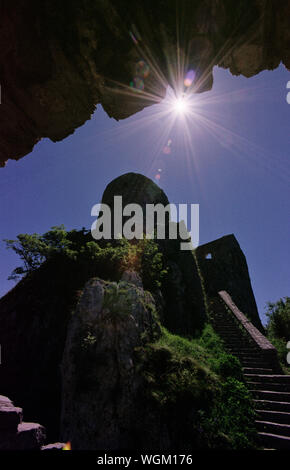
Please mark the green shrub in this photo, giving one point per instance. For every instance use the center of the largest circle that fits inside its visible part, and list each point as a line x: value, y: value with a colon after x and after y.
x: 210, y: 340
x: 232, y: 416
x: 227, y: 365
x: 278, y: 328
x: 194, y: 384
x: 278, y: 314
x: 175, y: 389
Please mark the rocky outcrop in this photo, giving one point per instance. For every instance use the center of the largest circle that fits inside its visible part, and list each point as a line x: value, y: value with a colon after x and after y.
x: 58, y: 60
x: 134, y: 188
x: 16, y: 434
x: 182, y: 293
x: 34, y: 317
x: 100, y: 381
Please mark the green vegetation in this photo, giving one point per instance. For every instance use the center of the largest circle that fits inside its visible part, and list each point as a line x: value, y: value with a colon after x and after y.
x: 278, y: 328
x: 76, y: 250
x: 205, y: 299
x: 198, y: 387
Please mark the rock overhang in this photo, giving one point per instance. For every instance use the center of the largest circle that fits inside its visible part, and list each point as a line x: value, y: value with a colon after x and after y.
x: 58, y: 62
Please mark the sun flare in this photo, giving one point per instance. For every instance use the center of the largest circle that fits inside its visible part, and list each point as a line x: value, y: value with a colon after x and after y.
x: 180, y: 106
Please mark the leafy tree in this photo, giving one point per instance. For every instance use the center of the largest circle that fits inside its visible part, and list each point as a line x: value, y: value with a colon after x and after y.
x: 88, y: 257
x: 279, y: 318
x: 34, y: 249
x: 278, y: 328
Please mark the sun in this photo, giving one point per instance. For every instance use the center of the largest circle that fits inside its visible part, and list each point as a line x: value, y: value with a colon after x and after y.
x: 180, y: 105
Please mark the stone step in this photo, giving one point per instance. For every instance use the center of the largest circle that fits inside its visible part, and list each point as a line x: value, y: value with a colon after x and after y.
x: 256, y: 358
x: 276, y: 378
x: 10, y: 418
x: 5, y: 401
x: 237, y: 352
x: 236, y: 336
x: 257, y: 370
x: 231, y: 334
x: 30, y: 436
x: 269, y: 386
x: 274, y: 441
x: 246, y: 358
x: 248, y: 364
x: 272, y: 405
x: 224, y: 325
x: 222, y: 320
x: 250, y: 353
x: 273, y: 428
x: 258, y: 361
x: 233, y: 337
x: 243, y: 351
x: 227, y: 331
x: 273, y: 416
x: 261, y: 365
x: 234, y: 341
x: 273, y: 396
x: 53, y: 447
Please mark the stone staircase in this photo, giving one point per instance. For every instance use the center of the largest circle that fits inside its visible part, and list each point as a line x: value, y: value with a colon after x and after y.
x: 269, y: 387
x: 15, y: 434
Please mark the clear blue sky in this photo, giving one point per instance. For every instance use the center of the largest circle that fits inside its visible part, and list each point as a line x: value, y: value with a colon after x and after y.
x: 234, y: 163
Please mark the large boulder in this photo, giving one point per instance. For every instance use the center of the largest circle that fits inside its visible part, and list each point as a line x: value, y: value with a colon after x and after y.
x: 134, y: 188
x: 100, y: 383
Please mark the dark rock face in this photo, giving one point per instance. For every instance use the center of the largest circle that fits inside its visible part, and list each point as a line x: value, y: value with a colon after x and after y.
x: 34, y: 317
x: 58, y: 60
x: 182, y: 294
x: 134, y: 188
x: 185, y: 305
x: 223, y: 266
x: 99, y: 377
